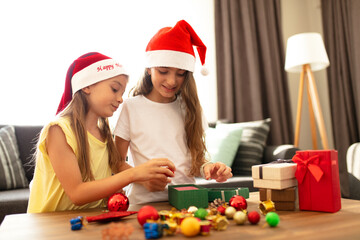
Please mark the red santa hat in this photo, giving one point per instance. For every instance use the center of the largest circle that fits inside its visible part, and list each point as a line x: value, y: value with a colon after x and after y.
x: 173, y: 47
x: 88, y: 69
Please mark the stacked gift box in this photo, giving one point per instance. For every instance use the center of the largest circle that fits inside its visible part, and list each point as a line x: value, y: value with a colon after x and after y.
x: 284, y: 200
x: 276, y: 182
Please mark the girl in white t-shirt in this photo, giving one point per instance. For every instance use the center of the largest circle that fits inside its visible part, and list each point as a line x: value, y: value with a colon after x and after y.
x: 164, y: 119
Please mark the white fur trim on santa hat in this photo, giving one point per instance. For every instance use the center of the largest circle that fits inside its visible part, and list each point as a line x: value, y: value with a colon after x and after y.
x: 96, y: 72
x: 169, y: 58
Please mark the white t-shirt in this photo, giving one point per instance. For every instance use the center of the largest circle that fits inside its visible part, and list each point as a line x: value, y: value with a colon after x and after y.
x: 155, y: 130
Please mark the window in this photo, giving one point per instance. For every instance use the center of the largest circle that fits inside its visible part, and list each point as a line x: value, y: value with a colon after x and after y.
x: 40, y: 39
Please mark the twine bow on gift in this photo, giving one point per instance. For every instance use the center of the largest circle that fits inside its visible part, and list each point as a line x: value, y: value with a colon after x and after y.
x: 303, y: 165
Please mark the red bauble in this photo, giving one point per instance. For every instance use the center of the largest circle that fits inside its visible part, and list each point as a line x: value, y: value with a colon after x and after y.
x: 253, y: 217
x: 221, y: 210
x: 238, y: 202
x: 118, y: 202
x: 147, y: 212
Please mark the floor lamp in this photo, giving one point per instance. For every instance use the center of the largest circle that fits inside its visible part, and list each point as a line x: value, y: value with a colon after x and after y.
x: 306, y: 53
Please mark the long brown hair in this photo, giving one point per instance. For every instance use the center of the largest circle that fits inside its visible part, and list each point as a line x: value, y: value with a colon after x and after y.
x: 76, y: 112
x: 195, y: 136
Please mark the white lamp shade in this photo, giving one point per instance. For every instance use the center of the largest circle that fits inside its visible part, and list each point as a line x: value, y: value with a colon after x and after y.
x: 306, y: 48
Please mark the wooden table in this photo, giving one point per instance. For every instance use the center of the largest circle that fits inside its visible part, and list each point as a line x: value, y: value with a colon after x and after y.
x: 344, y: 224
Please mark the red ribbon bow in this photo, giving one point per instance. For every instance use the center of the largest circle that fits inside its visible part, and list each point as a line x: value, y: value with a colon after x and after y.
x: 311, y: 164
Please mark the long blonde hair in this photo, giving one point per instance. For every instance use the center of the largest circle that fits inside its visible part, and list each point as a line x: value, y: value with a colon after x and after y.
x: 76, y: 112
x: 195, y: 136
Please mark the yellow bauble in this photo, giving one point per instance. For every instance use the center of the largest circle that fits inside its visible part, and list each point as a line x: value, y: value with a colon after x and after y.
x: 240, y: 217
x: 190, y: 226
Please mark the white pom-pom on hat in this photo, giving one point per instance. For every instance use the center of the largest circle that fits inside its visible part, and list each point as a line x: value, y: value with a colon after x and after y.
x: 204, y: 71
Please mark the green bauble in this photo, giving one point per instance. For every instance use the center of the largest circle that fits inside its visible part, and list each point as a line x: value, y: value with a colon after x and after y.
x: 272, y: 218
x: 201, y: 213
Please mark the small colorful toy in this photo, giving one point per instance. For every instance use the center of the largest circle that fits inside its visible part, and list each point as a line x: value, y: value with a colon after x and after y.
x: 266, y: 206
x: 205, y: 227
x: 77, y: 223
x: 220, y: 223
x: 153, y: 230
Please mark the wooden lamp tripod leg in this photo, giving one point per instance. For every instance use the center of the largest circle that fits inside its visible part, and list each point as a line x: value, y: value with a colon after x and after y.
x: 316, y: 105
x: 299, y: 107
x: 312, y: 118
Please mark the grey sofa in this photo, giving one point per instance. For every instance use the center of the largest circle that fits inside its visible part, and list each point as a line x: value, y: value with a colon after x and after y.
x: 16, y: 200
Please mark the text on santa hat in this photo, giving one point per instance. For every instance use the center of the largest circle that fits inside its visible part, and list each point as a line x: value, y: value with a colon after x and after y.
x: 108, y: 67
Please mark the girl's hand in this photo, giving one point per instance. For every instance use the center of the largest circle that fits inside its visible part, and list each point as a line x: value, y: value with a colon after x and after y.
x: 155, y: 185
x: 154, y: 174
x: 218, y: 171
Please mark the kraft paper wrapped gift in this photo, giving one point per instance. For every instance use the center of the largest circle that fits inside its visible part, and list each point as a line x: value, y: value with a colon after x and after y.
x: 186, y: 195
x: 285, y: 206
x: 284, y: 200
x: 317, y: 174
x: 274, y: 175
x: 285, y: 195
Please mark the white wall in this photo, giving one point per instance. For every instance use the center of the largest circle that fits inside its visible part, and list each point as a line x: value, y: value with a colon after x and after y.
x: 305, y: 16
x: 40, y: 39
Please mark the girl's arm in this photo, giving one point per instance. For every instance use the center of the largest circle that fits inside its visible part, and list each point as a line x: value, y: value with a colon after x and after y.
x: 152, y: 185
x: 66, y: 168
x: 122, y: 146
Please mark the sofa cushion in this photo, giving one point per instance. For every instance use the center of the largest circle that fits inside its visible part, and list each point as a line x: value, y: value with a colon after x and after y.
x: 12, y: 174
x: 27, y: 137
x: 13, y: 201
x: 222, y: 144
x: 253, y: 140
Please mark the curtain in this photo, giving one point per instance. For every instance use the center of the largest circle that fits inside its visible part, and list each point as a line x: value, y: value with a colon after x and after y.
x: 342, y: 40
x: 251, y: 80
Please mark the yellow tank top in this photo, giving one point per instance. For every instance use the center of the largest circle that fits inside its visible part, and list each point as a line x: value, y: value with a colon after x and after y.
x: 46, y: 192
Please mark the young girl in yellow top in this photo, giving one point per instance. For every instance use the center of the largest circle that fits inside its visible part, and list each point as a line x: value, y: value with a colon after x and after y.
x: 164, y: 118
x: 77, y: 164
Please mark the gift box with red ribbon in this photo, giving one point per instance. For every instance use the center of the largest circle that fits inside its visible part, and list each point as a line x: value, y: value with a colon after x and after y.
x: 317, y: 174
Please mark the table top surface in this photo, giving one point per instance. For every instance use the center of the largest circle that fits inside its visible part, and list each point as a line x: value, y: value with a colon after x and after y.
x: 344, y: 224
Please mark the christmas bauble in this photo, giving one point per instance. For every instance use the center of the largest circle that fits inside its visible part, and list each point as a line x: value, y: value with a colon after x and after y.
x: 192, y: 209
x: 221, y: 210
x: 118, y: 202
x: 190, y: 226
x: 238, y: 202
x: 239, y: 217
x: 201, y: 213
x: 147, y: 212
x: 272, y: 218
x: 254, y: 217
x: 229, y: 212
